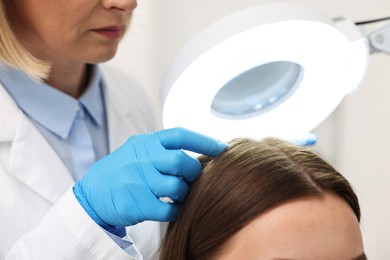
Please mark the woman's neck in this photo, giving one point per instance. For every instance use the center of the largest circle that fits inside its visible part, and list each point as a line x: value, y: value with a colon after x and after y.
x: 71, y: 79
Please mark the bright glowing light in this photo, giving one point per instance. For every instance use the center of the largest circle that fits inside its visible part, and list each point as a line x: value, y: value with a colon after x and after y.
x: 331, y: 65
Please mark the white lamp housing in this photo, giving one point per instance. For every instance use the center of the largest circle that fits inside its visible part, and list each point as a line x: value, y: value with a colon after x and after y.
x: 271, y: 70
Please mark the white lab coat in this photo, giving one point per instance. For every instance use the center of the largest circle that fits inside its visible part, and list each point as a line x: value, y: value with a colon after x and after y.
x: 39, y: 215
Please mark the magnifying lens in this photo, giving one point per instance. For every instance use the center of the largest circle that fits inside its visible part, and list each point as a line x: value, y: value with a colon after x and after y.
x: 270, y: 70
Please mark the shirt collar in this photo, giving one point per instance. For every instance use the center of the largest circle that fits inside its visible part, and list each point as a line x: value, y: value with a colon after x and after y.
x: 50, y: 107
x: 92, y: 98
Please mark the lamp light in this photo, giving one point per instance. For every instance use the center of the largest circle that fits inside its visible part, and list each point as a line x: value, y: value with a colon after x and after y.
x: 271, y: 70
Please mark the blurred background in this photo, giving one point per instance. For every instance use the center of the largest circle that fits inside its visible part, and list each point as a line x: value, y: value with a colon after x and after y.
x: 354, y: 138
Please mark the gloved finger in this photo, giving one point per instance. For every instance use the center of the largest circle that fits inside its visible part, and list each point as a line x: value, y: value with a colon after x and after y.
x: 170, y: 187
x: 177, y: 163
x: 181, y: 138
x: 145, y: 206
x: 161, y: 185
x: 162, y: 211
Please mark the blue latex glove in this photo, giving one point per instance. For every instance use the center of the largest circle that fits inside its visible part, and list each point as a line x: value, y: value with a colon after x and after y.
x: 125, y: 187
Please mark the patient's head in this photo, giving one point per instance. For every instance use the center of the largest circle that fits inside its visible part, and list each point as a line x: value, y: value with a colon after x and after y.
x: 266, y: 200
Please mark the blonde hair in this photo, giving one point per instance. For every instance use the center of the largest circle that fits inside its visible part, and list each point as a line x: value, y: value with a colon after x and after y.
x: 12, y: 53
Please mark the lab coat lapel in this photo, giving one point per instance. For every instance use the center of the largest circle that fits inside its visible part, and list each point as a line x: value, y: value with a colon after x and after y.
x: 32, y: 160
x: 129, y: 113
x: 120, y: 111
x: 118, y: 126
x: 9, y: 116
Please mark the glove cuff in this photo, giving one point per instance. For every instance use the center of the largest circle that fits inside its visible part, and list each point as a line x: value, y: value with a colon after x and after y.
x: 78, y: 192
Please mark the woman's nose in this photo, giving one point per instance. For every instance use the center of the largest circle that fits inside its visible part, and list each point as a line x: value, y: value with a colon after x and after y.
x: 124, y: 5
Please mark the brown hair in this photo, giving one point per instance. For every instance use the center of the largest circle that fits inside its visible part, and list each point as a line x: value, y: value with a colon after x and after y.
x: 249, y: 178
x: 13, y: 53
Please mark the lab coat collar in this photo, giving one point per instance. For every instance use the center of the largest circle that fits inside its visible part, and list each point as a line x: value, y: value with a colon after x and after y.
x: 8, y: 124
x: 34, y: 97
x: 119, y: 111
x: 32, y: 160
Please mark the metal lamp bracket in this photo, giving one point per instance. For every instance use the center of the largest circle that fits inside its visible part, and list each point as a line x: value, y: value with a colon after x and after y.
x: 380, y: 40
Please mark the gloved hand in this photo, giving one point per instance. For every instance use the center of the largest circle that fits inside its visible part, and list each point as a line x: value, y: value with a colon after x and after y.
x: 125, y: 187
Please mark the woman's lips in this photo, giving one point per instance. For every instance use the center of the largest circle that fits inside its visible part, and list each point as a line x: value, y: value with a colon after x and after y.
x: 110, y: 32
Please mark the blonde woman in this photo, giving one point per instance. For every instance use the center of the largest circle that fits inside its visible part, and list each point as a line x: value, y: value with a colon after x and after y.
x: 61, y: 114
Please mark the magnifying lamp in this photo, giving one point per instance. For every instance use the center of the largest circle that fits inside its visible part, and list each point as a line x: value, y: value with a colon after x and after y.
x: 271, y: 70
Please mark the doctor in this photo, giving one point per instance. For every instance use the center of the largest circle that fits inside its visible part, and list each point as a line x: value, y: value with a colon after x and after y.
x: 62, y: 196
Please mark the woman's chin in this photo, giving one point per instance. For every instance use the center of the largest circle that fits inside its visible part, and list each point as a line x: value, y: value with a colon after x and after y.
x: 102, y: 56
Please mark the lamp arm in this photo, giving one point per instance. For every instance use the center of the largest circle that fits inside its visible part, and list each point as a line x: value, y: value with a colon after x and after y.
x: 380, y: 40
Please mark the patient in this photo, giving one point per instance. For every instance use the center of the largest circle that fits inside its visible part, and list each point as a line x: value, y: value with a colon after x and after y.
x: 266, y: 200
